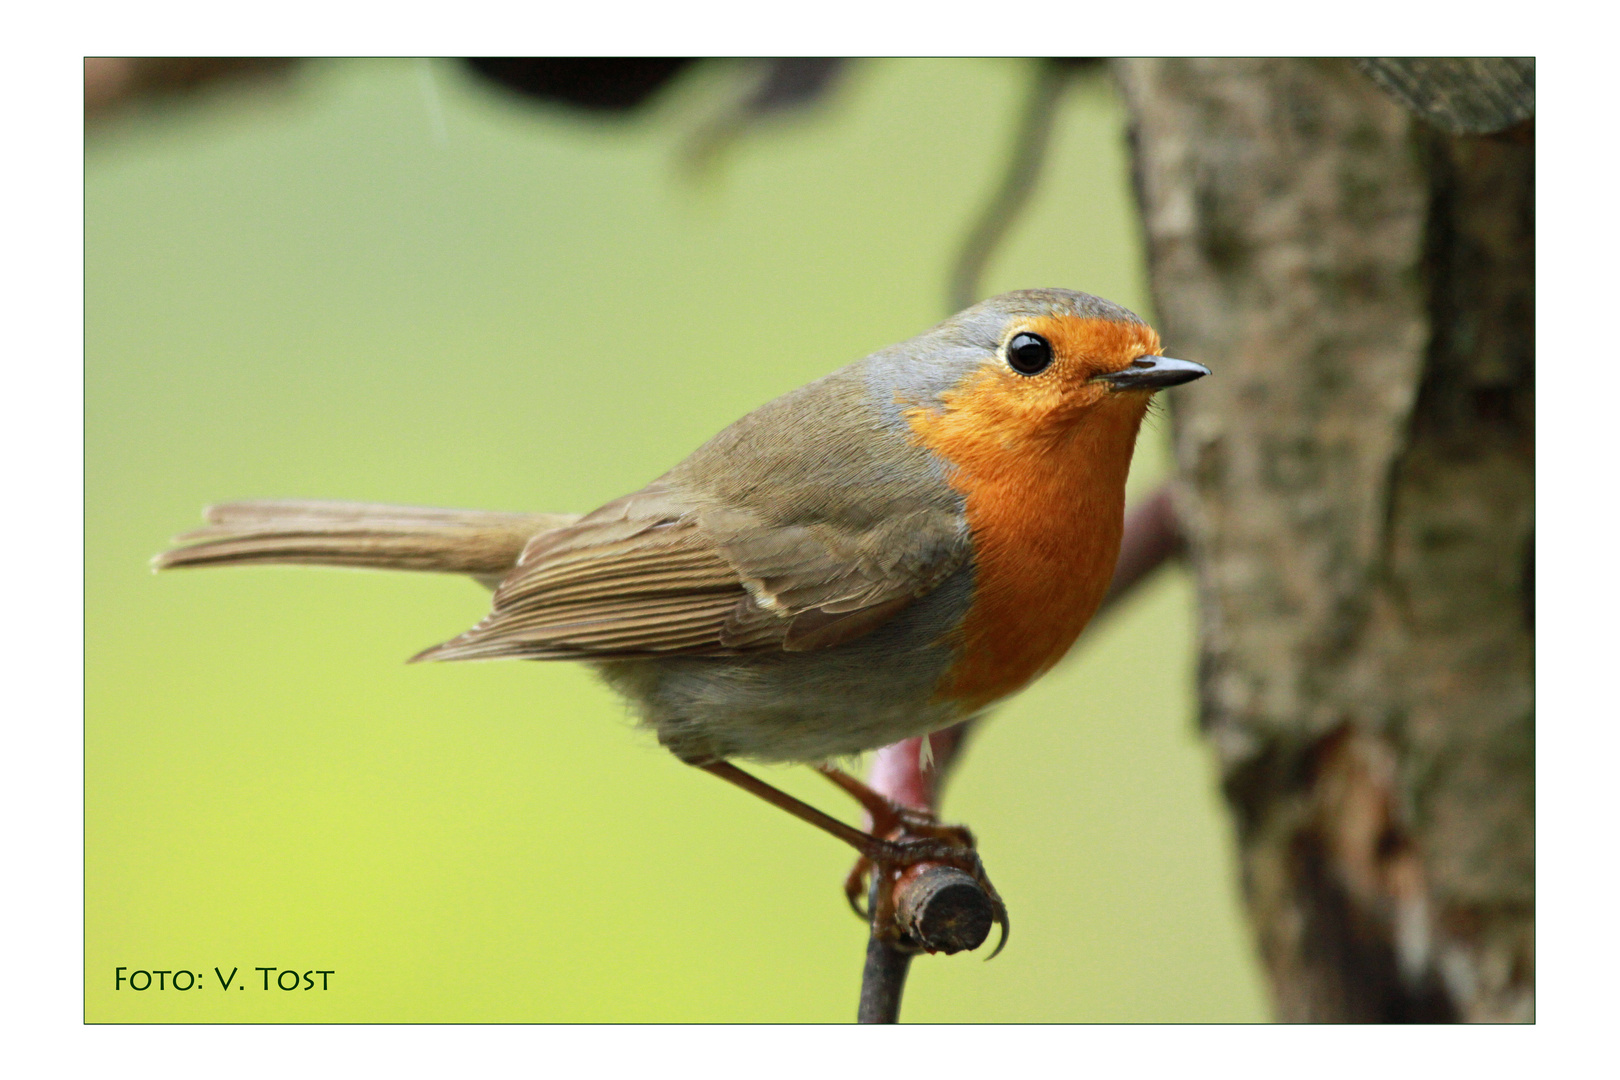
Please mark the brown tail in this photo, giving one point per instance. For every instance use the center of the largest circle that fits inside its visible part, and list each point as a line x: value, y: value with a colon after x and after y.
x: 483, y: 543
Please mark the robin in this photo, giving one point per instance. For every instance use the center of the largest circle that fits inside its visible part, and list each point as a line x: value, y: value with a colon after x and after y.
x: 882, y: 553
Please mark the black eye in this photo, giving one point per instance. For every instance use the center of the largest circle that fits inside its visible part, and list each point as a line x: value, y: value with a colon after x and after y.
x: 1029, y: 354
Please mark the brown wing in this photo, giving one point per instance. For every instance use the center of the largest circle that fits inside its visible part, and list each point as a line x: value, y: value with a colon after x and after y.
x: 654, y: 575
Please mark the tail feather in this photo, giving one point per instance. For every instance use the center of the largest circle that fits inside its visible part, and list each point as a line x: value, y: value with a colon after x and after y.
x: 483, y: 543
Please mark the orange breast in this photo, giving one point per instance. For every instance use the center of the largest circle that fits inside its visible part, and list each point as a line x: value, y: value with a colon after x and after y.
x: 1046, y: 509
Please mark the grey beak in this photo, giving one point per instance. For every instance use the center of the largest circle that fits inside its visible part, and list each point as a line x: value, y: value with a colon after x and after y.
x: 1154, y: 373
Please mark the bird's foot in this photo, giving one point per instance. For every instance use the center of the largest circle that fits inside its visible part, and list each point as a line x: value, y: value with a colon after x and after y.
x: 913, y: 844
x: 927, y: 887
x: 929, y: 890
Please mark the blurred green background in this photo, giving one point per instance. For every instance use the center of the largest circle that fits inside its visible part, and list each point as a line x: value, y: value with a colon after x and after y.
x: 390, y: 282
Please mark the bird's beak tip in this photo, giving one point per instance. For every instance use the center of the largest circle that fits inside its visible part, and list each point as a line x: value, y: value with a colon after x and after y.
x: 1154, y: 373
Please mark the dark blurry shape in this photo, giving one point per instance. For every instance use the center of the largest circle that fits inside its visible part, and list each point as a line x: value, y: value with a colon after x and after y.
x: 1459, y: 95
x: 115, y: 82
x: 1023, y: 168
x: 783, y: 85
x: 792, y: 82
x: 600, y: 83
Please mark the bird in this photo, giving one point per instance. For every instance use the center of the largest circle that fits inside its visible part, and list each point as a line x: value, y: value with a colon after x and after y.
x: 884, y: 552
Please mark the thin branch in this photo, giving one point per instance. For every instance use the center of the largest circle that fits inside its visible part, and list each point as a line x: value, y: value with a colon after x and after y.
x: 883, y: 980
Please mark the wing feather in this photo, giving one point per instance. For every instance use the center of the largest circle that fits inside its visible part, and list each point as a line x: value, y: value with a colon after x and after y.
x: 653, y: 575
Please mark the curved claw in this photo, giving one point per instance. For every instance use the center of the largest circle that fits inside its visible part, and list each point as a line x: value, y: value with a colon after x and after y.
x: 1006, y: 928
x: 855, y: 888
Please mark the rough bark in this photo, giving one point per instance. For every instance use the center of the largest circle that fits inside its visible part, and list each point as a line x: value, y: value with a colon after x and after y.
x: 1356, y: 491
x: 1460, y: 95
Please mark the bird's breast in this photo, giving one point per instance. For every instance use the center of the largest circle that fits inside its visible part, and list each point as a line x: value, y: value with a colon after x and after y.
x: 1046, y: 520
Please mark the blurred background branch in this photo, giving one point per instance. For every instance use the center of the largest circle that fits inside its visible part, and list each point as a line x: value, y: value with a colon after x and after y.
x: 1022, y: 169
x: 115, y: 83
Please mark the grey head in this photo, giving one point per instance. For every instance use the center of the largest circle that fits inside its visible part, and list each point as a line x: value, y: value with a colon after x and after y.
x: 934, y: 361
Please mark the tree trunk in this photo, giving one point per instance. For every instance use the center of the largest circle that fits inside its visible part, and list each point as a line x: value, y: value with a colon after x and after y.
x: 1357, y: 492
